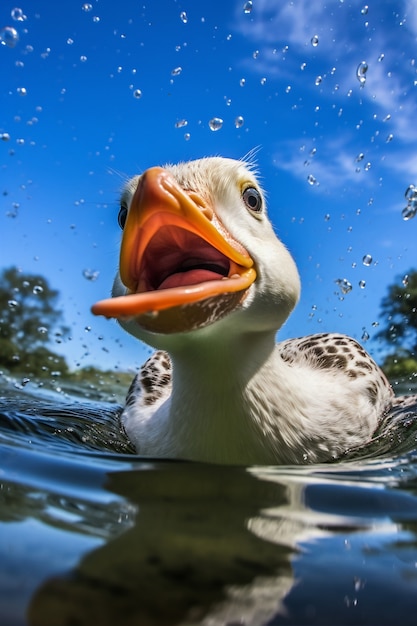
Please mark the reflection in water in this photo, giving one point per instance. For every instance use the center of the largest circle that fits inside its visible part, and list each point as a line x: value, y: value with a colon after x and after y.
x: 90, y: 536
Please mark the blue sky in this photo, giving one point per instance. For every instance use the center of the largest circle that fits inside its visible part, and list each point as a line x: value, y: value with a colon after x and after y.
x: 289, y: 69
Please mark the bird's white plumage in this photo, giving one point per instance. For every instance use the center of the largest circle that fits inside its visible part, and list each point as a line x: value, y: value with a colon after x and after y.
x: 227, y: 393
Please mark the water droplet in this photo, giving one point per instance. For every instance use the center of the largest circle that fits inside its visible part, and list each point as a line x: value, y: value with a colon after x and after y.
x: 242, y: 82
x: 405, y: 280
x: 176, y: 71
x: 312, y: 180
x: 288, y: 89
x: 364, y: 10
x: 239, y: 121
x: 183, y: 17
x: 327, y: 217
x: 367, y: 260
x: 303, y: 66
x: 248, y: 6
x: 187, y: 136
x: 365, y: 335
x: 263, y: 81
x: 9, y: 36
x: 181, y: 123
x: 87, y: 329
x: 21, y: 91
x: 91, y: 274
x: 83, y: 58
x: 409, y: 212
x: 42, y: 330
x: 360, y: 157
x: 389, y: 138
x: 215, y: 123
x: 315, y: 41
x: 255, y: 54
x: 362, y: 284
x: 344, y: 284
x: 70, y: 41
x: 18, y: 15
x: 137, y: 94
x: 318, y: 80
x: 5, y: 136
x: 361, y: 72
x: 87, y: 7
x: 38, y: 289
x: 96, y: 19
x: 381, y: 57
x: 410, y: 193
x: 12, y: 304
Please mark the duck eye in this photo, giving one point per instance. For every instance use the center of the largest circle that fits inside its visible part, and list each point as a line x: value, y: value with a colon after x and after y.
x: 121, y: 218
x: 253, y: 199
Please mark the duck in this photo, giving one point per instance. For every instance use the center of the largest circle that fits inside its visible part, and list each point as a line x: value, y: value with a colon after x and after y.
x: 205, y: 281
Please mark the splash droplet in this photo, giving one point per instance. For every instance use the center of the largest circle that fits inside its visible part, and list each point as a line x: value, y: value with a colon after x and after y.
x: 176, y: 71
x: 410, y: 193
x: 183, y: 17
x: 18, y: 15
x: 9, y: 36
x: 365, y: 335
x: 137, y: 94
x: 365, y: 10
x: 42, y: 330
x: 5, y: 137
x: 215, y: 123
x: 181, y: 123
x: 367, y: 260
x: 91, y: 274
x: 362, y: 284
x: 389, y: 138
x: 12, y: 304
x: 87, y: 7
x: 247, y: 7
x: 409, y: 212
x: 37, y: 290
x: 361, y: 72
x: 242, y: 82
x: 312, y: 180
x: 315, y: 41
x: 318, y: 80
x: 239, y: 121
x: 405, y: 280
x: 344, y: 285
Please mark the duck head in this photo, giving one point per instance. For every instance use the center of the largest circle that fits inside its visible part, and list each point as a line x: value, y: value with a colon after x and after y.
x: 199, y: 252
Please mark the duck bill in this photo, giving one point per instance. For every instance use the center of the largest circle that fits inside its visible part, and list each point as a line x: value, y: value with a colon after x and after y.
x: 181, y: 268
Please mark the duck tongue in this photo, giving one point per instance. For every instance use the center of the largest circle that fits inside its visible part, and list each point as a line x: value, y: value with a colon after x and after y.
x: 190, y: 277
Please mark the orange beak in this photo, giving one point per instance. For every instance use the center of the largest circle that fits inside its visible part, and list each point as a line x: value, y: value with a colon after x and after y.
x: 181, y: 268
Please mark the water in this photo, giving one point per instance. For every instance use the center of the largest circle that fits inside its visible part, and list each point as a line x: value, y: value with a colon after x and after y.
x: 90, y: 533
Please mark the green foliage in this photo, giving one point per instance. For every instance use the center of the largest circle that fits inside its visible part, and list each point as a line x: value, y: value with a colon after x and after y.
x: 399, y: 365
x: 399, y: 311
x: 28, y: 318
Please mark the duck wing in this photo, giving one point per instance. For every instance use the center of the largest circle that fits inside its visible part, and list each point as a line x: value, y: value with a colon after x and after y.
x: 151, y: 385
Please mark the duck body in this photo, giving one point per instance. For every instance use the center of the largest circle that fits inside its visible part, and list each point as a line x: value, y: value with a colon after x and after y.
x: 323, y: 411
x: 204, y: 280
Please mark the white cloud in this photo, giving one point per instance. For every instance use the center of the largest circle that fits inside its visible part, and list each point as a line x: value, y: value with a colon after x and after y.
x: 386, y: 105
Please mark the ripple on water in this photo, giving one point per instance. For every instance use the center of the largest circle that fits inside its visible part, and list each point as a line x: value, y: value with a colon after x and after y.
x: 92, y: 533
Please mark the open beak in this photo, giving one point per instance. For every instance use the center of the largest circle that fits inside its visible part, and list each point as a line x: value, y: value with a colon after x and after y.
x: 182, y: 270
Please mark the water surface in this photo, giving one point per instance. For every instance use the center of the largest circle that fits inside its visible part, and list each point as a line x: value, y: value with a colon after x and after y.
x: 90, y: 533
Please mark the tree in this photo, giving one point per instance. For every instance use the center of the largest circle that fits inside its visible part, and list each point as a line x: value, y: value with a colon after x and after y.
x: 29, y: 317
x: 399, y: 311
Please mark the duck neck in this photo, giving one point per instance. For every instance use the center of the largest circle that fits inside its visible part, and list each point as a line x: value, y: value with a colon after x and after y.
x: 218, y: 369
